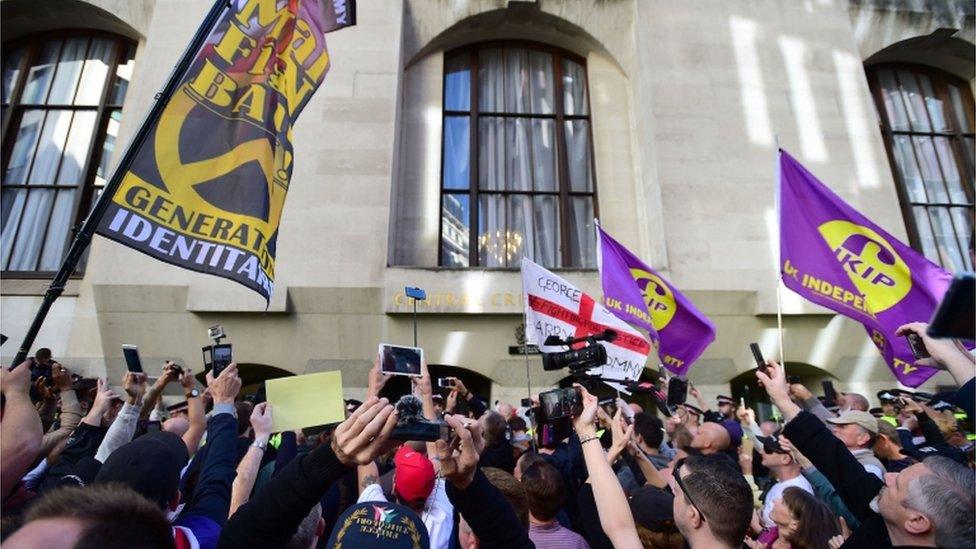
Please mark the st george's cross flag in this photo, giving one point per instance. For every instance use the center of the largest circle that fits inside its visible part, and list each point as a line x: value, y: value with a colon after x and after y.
x: 836, y: 257
x: 553, y: 306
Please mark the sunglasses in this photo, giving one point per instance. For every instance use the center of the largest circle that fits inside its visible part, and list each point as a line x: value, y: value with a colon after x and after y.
x: 684, y: 489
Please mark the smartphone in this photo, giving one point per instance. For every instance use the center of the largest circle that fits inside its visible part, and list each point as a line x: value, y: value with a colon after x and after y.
x: 445, y: 383
x: 956, y: 317
x: 917, y: 346
x: 217, y: 357
x: 677, y: 391
x: 758, y: 356
x: 131, y: 354
x: 400, y: 361
x: 830, y: 395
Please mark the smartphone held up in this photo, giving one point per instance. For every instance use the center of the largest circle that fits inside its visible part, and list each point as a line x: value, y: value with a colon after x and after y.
x: 399, y: 360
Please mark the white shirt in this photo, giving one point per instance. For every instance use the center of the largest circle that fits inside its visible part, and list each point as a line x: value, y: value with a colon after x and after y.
x: 776, y: 492
x: 438, y: 515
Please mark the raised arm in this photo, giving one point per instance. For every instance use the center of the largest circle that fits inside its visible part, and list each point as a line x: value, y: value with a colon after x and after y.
x: 20, y: 427
x: 270, y: 518
x: 155, y: 391
x: 247, y: 469
x: 124, y: 426
x: 195, y: 412
x: 70, y: 410
x: 944, y: 353
x: 611, y: 503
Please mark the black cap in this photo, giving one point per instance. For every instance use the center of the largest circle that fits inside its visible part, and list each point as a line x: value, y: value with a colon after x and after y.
x: 437, y: 396
x: 888, y: 395
x: 82, y: 474
x: 722, y: 399
x: 876, y: 412
x: 693, y: 409
x: 653, y: 509
x: 940, y: 405
x: 771, y: 444
x: 379, y: 524
x: 150, y: 465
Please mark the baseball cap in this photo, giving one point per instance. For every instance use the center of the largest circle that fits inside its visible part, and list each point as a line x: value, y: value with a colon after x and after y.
x: 693, y: 409
x: 771, y: 444
x: 150, y: 465
x: 887, y: 395
x: 653, y: 509
x: 414, y: 477
x: 379, y: 524
x: 856, y: 417
x: 723, y: 399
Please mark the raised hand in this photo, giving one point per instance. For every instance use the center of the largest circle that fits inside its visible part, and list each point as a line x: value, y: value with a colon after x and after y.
x: 376, y: 379
x: 16, y: 381
x: 366, y: 433
x: 459, y: 459
x: 187, y: 380
x: 774, y: 380
x: 134, y: 384
x: 261, y: 422
x: 61, y: 376
x: 583, y: 423
x: 224, y: 388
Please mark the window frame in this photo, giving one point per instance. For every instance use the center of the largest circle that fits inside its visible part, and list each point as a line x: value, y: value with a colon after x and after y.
x: 86, y: 188
x: 956, y: 137
x: 562, y: 193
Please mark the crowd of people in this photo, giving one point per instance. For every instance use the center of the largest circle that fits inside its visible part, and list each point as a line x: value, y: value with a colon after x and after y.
x: 85, y: 465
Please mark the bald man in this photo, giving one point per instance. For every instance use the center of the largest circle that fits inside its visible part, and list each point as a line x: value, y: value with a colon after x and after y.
x: 711, y: 438
x: 852, y: 401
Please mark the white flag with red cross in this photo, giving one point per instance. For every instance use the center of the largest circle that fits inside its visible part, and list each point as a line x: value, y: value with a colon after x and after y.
x: 553, y: 306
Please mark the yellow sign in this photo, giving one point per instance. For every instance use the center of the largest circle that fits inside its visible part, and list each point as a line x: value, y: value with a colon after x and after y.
x: 306, y: 401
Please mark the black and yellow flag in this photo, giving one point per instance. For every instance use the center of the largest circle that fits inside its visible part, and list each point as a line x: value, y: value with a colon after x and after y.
x: 206, y: 189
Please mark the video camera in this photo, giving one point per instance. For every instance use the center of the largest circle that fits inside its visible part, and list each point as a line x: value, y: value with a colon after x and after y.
x: 578, y: 361
x: 412, y: 425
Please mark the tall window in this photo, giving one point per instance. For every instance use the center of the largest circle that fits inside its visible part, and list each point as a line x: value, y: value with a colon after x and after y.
x: 517, y: 175
x: 62, y: 101
x: 927, y: 122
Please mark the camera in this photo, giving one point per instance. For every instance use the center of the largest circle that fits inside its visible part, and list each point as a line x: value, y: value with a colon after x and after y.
x: 560, y: 403
x: 445, y: 383
x: 216, y: 333
x: 577, y: 360
x: 412, y: 425
x: 218, y: 356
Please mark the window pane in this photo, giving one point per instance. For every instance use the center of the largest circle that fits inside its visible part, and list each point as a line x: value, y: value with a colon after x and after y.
x: 69, y: 69
x: 950, y: 169
x: 11, y: 69
x: 936, y: 109
x: 99, y: 57
x: 27, y: 248
x: 58, y: 230
x: 544, y: 155
x: 492, y: 242
x: 520, y: 231
x: 491, y: 80
x: 905, y: 158
x: 76, y: 149
x: 50, y: 147
x: 516, y: 80
x: 582, y: 239
x: 969, y: 148
x: 457, y: 83
x: 929, y: 164
x: 578, y: 155
x: 457, y: 140
x: 24, y: 146
x: 574, y: 88
x: 40, y: 73
x: 894, y: 106
x: 913, y: 101
x: 12, y: 207
x: 961, y: 113
x: 123, y: 75
x: 519, y: 139
x: 945, y: 239
x: 925, y: 237
x: 108, y: 147
x: 546, y: 241
x: 455, y: 230
x: 540, y: 69
x: 491, y: 153
x: 962, y: 220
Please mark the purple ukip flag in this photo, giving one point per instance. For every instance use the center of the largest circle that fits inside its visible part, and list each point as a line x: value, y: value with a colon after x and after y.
x: 637, y: 294
x: 836, y: 257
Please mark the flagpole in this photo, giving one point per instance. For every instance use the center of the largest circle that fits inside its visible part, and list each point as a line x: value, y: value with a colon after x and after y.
x: 779, y: 263
x: 84, y: 235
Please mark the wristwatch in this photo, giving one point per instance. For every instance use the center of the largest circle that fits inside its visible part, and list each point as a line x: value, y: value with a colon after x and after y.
x: 263, y: 446
x: 193, y: 393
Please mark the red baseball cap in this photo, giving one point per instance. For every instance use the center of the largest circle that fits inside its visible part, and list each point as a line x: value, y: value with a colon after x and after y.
x: 414, y: 477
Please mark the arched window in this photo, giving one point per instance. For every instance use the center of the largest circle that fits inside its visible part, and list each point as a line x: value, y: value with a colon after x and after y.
x: 62, y: 101
x: 517, y: 172
x: 927, y: 123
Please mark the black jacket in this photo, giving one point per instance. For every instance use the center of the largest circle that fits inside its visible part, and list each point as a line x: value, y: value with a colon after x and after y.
x: 856, y: 486
x: 489, y: 514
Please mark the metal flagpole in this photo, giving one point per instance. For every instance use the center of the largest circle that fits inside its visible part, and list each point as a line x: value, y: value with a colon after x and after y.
x: 779, y: 265
x: 84, y: 235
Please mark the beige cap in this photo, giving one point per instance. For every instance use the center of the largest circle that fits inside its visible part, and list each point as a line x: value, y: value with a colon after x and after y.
x: 857, y: 417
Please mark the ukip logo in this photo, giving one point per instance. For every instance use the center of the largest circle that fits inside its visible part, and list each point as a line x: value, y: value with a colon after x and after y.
x: 658, y: 297
x: 871, y: 263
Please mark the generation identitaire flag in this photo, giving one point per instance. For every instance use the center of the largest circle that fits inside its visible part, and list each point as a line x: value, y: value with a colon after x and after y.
x: 836, y: 257
x: 636, y: 293
x: 206, y: 190
x: 553, y: 306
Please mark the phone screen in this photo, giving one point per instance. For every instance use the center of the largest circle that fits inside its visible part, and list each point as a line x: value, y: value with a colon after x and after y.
x: 956, y: 317
x: 400, y: 361
x: 677, y: 391
x: 131, y: 354
x: 758, y: 356
x: 222, y: 354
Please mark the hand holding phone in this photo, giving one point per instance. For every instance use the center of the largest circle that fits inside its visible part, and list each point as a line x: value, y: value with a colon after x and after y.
x: 917, y: 346
x: 758, y: 356
x: 445, y: 383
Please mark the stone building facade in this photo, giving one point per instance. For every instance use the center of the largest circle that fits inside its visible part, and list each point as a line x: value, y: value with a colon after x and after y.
x: 685, y: 103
